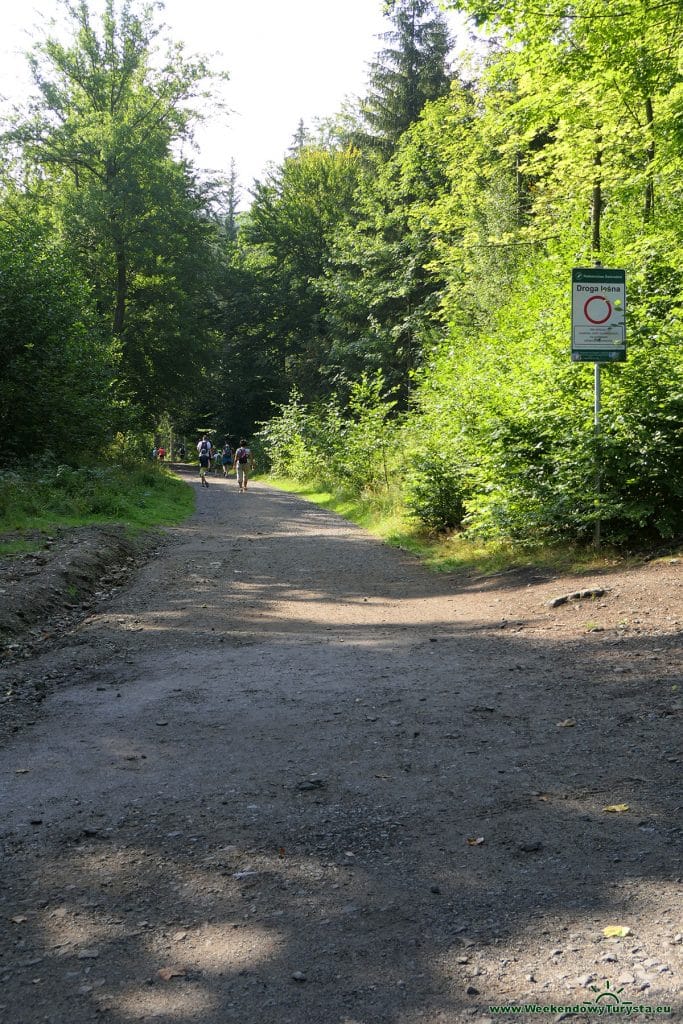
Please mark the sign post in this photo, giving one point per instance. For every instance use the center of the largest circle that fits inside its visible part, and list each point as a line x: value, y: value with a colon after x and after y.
x: 598, y: 334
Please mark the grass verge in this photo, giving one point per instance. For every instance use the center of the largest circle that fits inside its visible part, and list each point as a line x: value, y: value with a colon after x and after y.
x: 138, y: 496
x: 455, y: 553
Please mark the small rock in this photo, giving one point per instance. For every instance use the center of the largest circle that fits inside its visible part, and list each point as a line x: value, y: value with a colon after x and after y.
x: 585, y: 980
x: 471, y: 991
x: 531, y: 846
x: 435, y: 889
x: 88, y: 954
x: 309, y: 784
x: 299, y: 976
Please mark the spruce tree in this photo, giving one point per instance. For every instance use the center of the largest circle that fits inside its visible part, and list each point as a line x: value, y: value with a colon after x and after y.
x: 410, y: 70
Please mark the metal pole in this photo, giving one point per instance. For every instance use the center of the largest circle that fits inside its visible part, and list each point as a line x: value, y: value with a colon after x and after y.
x: 596, y: 431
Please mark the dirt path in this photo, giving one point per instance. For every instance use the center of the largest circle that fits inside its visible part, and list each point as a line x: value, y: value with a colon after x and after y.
x: 286, y: 775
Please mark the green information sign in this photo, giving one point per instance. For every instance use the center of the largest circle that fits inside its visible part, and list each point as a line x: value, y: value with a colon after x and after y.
x: 598, y: 315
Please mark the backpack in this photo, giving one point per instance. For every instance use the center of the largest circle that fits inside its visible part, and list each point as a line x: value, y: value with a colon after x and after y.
x: 204, y: 450
x: 242, y: 456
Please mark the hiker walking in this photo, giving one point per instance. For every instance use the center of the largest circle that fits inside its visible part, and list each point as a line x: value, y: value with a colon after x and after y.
x: 244, y: 464
x: 204, y: 452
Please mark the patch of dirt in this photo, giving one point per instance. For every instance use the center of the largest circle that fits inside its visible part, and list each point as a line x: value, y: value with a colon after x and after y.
x: 43, y: 590
x: 44, y: 594
x: 281, y: 773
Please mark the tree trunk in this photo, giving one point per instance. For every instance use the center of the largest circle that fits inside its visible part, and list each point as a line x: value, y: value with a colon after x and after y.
x: 596, y: 211
x: 649, y: 204
x: 121, y: 282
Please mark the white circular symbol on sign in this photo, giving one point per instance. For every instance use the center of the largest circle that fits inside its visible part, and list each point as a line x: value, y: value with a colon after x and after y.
x: 596, y: 315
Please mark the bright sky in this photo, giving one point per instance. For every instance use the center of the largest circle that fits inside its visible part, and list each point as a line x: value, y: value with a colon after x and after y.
x: 287, y: 59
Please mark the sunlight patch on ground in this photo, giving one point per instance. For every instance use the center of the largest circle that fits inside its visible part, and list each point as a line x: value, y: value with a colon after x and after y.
x: 71, y: 934
x: 172, y: 1002
x: 224, y: 948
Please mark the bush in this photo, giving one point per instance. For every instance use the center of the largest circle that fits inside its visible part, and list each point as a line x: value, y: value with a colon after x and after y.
x: 435, y: 490
x: 353, y: 449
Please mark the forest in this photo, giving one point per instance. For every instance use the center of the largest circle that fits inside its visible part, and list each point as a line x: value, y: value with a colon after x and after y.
x: 388, y: 311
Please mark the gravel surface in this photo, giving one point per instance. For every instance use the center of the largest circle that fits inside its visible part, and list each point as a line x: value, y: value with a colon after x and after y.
x: 277, y: 772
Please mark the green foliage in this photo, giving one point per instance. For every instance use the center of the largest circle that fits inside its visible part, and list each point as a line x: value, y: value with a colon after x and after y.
x: 402, y: 306
x: 435, y: 488
x: 94, y: 149
x: 371, y: 438
x: 130, y: 446
x: 406, y: 74
x: 284, y: 438
x: 291, y: 226
x: 516, y: 419
x: 355, y: 450
x: 58, y: 369
x: 381, y: 294
x: 49, y: 495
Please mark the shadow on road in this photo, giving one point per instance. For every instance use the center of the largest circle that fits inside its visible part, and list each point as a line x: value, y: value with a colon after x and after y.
x: 320, y: 789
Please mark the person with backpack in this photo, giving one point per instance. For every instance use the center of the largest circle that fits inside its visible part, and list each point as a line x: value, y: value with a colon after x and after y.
x: 244, y: 464
x: 204, y: 452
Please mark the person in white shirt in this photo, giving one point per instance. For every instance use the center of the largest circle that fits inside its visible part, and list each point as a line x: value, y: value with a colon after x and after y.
x: 204, y: 452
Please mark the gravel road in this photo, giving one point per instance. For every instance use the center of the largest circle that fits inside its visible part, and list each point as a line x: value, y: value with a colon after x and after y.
x: 287, y: 775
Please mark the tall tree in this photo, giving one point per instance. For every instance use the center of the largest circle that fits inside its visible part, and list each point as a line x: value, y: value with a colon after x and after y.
x: 410, y: 70
x: 58, y: 366
x: 232, y: 202
x: 294, y: 218
x: 102, y: 129
x: 382, y: 294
